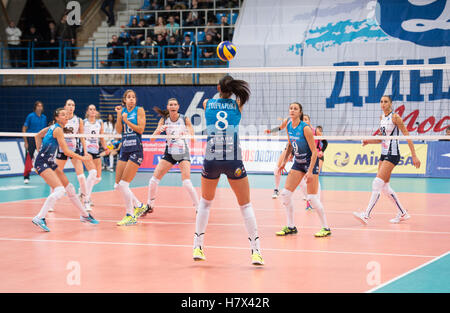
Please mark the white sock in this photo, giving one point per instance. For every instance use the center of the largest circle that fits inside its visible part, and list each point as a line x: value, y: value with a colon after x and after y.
x: 303, y: 188
x: 187, y: 184
x: 56, y: 194
x: 390, y: 193
x: 250, y: 224
x: 201, y: 221
x: 90, y: 182
x: 277, y: 179
x: 111, y: 161
x: 124, y: 188
x: 318, y: 190
x: 377, y: 186
x: 152, y: 188
x: 286, y: 197
x: 316, y: 204
x: 136, y: 202
x: 82, y: 182
x: 72, y: 194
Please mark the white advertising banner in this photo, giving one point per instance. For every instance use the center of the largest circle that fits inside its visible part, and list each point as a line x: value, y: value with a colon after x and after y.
x: 11, y: 162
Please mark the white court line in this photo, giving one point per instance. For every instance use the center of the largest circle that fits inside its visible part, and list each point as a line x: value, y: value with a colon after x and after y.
x: 213, y: 247
x: 237, y: 209
x: 49, y: 218
x: 407, y: 273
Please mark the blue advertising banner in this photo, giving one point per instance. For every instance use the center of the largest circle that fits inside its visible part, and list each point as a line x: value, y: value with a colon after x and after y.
x: 438, y: 159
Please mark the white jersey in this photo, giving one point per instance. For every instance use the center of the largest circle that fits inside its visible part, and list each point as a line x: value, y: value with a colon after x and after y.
x: 72, y: 127
x: 92, y: 143
x: 176, y: 145
x: 388, y: 128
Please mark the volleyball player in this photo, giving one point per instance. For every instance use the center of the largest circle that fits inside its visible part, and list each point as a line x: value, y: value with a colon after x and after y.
x: 317, y: 143
x: 276, y: 173
x: 176, y: 151
x: 390, y: 124
x: 94, y: 126
x: 53, y: 175
x: 78, y: 145
x: 130, y: 122
x: 223, y: 156
x: 306, y: 165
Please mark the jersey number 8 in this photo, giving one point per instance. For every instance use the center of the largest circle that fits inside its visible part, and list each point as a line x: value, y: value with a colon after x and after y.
x: 221, y: 118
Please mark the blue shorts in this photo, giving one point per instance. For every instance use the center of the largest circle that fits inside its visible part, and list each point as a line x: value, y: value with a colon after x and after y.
x: 176, y: 158
x: 61, y: 156
x: 234, y: 169
x: 41, y: 164
x: 394, y: 159
x: 303, y: 167
x: 133, y: 156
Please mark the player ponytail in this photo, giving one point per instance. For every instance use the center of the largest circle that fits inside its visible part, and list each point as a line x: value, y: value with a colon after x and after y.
x: 229, y: 85
x: 162, y: 113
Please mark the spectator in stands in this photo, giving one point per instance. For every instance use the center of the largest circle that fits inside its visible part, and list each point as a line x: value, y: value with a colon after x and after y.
x: 191, y: 20
x: 137, y: 33
x: 198, y: 15
x: 148, y: 51
x: 166, y: 15
x: 173, y: 29
x: 66, y: 34
x: 110, y: 12
x: 34, y: 39
x: 161, y: 40
x: 173, y: 52
x: 225, y: 30
x: 34, y: 122
x: 187, y: 49
x: 117, y: 53
x: 209, y: 51
x: 211, y: 30
x: 13, y: 35
x: 51, y: 41
x: 160, y: 28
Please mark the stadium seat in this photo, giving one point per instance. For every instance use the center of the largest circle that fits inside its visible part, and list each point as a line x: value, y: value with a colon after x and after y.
x: 201, y: 36
x: 131, y: 19
x: 145, y: 5
x: 219, y: 17
x: 232, y: 17
x: 190, y: 34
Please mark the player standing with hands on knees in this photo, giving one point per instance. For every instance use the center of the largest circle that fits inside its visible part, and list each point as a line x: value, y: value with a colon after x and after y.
x: 390, y: 124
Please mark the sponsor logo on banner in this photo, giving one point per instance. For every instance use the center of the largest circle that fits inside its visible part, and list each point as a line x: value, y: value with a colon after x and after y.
x: 353, y: 158
x: 11, y: 161
x: 439, y: 159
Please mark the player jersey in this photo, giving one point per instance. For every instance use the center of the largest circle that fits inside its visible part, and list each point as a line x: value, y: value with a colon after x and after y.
x: 388, y: 128
x: 301, y: 150
x: 72, y: 127
x: 222, y: 127
x: 49, y: 145
x: 131, y: 140
x: 92, y: 143
x: 176, y: 145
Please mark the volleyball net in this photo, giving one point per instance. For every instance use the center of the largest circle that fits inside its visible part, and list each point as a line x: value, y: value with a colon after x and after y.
x: 343, y: 100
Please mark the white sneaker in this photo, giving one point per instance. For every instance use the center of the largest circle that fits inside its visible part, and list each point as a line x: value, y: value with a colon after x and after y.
x: 276, y: 193
x: 26, y: 181
x: 400, y: 218
x: 51, y: 210
x: 361, y: 217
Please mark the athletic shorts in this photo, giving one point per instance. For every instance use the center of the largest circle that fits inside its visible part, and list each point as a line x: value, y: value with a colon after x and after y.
x: 62, y: 156
x: 234, y: 169
x: 394, y: 159
x: 95, y: 155
x: 176, y: 158
x: 40, y: 165
x: 134, y: 156
x: 303, y: 167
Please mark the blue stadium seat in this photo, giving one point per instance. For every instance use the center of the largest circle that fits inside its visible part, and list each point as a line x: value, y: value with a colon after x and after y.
x: 232, y: 17
x: 201, y: 36
x: 190, y: 34
x: 145, y: 5
x: 219, y: 17
x: 147, y: 17
x: 131, y: 19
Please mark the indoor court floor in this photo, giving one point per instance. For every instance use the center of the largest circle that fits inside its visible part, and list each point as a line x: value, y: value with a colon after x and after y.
x: 155, y: 255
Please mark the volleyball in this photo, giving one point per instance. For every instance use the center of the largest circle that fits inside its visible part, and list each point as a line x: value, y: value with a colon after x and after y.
x: 226, y: 51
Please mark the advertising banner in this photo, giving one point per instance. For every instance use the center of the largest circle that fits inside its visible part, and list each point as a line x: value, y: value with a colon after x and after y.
x: 439, y: 159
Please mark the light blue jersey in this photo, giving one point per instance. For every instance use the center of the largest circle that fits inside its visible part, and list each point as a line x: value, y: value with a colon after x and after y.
x: 49, y: 144
x: 300, y: 146
x: 222, y: 127
x: 131, y: 140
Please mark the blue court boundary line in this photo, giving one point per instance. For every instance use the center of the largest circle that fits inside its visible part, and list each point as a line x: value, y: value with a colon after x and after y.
x: 408, y: 273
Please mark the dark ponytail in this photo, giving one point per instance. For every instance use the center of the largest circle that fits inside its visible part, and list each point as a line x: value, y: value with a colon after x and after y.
x: 163, y: 113
x: 240, y: 88
x: 55, y: 115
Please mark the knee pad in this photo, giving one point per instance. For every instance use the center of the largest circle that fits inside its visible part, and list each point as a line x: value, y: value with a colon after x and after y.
x: 58, y: 192
x: 286, y: 196
x: 204, y: 204
x: 247, y: 211
x: 313, y: 200
x: 70, y: 189
x: 377, y: 184
x: 154, y: 180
